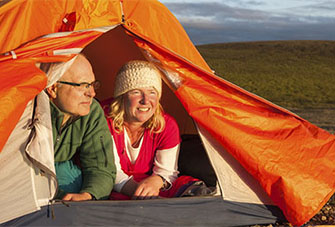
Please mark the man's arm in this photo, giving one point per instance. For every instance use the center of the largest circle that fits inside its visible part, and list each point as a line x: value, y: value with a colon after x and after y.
x: 96, y: 155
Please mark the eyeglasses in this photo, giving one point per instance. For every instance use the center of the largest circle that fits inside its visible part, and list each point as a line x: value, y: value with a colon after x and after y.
x: 84, y: 85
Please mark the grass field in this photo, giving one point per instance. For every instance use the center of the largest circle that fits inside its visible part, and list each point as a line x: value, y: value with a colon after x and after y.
x: 292, y: 74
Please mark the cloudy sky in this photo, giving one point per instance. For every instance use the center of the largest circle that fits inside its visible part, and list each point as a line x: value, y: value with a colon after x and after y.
x: 217, y: 21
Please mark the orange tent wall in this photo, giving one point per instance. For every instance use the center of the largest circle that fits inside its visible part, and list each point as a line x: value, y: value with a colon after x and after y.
x: 23, y: 21
x: 291, y: 158
x: 37, y: 18
x: 165, y: 30
x: 20, y: 82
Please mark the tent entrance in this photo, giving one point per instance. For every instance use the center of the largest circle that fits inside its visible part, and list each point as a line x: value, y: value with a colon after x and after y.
x: 107, y: 54
x: 113, y: 49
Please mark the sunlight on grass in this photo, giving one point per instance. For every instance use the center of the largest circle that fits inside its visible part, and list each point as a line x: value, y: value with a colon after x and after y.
x: 292, y: 74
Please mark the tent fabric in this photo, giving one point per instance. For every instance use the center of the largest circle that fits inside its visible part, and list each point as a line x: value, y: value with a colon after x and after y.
x: 290, y: 158
x: 20, y: 82
x: 14, y: 162
x: 40, y: 150
x: 238, y: 184
x: 92, y: 14
x: 26, y: 173
x: 204, y: 211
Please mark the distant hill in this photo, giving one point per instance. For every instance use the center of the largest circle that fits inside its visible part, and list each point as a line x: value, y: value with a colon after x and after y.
x: 292, y: 74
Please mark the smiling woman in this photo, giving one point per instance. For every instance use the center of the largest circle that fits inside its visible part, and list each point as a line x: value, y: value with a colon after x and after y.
x: 146, y: 139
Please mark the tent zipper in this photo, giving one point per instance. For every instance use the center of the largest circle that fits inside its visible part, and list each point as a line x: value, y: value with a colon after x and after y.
x: 104, y: 150
x: 122, y: 12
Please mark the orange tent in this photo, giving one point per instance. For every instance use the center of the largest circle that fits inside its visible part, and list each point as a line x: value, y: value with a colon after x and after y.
x: 288, y: 159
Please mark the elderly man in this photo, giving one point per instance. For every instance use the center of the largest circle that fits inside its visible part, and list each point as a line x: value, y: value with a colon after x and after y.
x: 84, y: 160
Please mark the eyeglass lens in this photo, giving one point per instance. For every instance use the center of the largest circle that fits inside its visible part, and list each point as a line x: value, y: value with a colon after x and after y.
x: 94, y: 84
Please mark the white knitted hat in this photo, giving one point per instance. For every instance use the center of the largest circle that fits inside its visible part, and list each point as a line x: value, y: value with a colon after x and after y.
x: 137, y: 74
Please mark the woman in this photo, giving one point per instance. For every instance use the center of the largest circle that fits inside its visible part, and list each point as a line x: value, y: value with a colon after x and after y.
x: 145, y: 138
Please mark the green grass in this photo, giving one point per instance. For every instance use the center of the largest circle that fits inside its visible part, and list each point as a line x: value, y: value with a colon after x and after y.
x: 292, y: 74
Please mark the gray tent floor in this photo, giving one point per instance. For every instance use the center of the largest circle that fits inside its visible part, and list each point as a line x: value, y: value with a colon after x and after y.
x: 186, y: 211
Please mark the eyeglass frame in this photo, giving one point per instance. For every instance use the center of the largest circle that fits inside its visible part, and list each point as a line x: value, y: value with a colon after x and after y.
x: 95, y: 84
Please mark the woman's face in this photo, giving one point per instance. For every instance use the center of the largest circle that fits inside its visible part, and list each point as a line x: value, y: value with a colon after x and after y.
x: 140, y: 104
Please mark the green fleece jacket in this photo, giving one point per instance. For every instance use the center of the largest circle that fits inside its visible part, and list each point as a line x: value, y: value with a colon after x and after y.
x: 89, y: 139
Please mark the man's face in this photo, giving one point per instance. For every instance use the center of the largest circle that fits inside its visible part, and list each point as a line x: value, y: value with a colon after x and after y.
x: 72, y: 100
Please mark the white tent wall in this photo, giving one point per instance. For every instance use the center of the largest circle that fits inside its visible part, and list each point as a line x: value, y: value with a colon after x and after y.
x: 25, y: 188
x: 16, y: 173
x: 236, y: 183
x: 16, y: 176
x: 40, y: 151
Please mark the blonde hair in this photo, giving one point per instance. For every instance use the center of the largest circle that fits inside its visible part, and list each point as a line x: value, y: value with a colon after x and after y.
x: 117, y: 112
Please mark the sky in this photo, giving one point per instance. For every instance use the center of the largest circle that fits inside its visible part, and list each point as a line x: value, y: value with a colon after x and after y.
x: 220, y: 21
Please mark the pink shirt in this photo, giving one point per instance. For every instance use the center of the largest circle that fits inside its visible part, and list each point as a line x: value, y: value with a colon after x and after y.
x: 163, y: 142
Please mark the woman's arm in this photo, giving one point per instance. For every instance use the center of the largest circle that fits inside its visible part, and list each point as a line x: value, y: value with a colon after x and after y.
x: 166, y: 163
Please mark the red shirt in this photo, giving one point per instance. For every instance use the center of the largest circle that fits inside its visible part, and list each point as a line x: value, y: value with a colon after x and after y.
x: 143, y: 165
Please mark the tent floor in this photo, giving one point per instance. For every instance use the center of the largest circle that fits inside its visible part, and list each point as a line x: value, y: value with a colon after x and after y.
x: 186, y: 211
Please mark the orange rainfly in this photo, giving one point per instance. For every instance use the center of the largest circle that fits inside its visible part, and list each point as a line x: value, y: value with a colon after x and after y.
x: 20, y: 82
x: 286, y: 154
x: 291, y: 159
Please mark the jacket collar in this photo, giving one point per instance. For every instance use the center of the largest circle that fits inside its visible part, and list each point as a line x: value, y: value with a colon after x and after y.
x: 57, y: 117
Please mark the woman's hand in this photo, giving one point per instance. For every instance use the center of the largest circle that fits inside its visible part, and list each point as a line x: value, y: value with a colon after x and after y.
x: 148, y: 188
